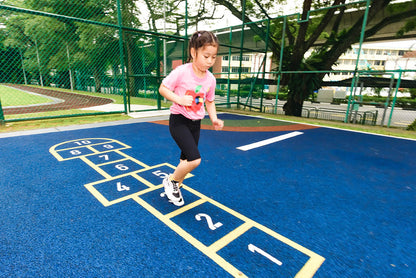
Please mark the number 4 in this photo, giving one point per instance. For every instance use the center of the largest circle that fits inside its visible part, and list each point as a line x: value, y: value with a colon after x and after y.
x: 121, y: 187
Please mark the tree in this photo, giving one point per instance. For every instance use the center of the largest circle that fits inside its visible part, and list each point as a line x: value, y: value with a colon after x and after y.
x: 302, y: 34
x: 10, y: 62
x: 171, y: 11
x: 51, y: 45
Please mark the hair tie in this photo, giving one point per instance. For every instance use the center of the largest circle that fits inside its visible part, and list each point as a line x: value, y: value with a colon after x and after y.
x: 199, y: 34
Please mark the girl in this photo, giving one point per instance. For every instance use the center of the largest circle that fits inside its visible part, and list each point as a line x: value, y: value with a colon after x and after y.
x: 189, y: 86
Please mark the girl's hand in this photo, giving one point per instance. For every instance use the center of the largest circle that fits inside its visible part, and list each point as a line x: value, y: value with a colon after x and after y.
x: 218, y: 124
x: 186, y: 100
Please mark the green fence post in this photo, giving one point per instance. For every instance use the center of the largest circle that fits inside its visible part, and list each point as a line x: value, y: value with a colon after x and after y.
x: 280, y: 63
x: 122, y: 62
x: 158, y: 77
x: 264, y: 66
x: 1, y: 115
x: 229, y: 69
x: 243, y: 19
x: 364, y: 24
x: 399, y: 79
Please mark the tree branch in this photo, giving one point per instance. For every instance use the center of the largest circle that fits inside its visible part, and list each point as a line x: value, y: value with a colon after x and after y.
x: 259, y: 31
x: 324, y: 22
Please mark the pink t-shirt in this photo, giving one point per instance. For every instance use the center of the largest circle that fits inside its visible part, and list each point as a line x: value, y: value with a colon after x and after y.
x: 183, y: 79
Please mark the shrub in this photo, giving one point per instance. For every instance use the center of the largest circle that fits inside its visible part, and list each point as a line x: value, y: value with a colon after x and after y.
x: 412, y: 126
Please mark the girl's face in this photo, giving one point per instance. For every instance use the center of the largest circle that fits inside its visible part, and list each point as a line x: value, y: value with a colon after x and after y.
x: 204, y: 57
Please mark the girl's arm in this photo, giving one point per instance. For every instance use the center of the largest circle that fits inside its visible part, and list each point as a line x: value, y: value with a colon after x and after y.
x: 169, y: 95
x: 212, y: 112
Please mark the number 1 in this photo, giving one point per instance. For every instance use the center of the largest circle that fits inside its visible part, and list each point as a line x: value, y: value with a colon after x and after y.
x: 254, y: 248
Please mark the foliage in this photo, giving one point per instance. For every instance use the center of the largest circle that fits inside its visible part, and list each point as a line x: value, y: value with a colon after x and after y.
x: 412, y: 92
x: 10, y: 63
x: 320, y: 21
x: 412, y: 126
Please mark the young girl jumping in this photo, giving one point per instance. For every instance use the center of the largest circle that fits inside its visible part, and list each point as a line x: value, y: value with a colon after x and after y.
x: 189, y: 86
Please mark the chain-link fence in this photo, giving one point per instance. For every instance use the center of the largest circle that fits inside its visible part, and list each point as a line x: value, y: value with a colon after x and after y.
x: 65, y: 58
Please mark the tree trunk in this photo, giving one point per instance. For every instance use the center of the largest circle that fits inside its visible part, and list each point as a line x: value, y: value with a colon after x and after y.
x: 97, y: 81
x: 301, y: 86
x: 293, y: 107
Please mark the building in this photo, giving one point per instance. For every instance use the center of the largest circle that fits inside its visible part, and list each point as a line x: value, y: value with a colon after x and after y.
x: 227, y: 66
x: 407, y: 61
x: 377, y: 56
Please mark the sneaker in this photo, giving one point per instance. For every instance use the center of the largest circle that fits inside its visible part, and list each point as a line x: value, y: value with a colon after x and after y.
x: 180, y: 203
x: 172, y: 190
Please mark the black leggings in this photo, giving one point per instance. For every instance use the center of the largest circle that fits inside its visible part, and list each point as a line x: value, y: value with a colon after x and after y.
x: 185, y: 132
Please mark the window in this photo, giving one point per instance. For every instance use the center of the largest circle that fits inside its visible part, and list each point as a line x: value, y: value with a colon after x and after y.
x: 244, y: 58
x: 225, y: 58
x: 243, y: 69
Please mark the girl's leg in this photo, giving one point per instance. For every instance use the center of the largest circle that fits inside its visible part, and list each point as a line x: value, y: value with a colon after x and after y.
x: 186, y: 133
x: 184, y: 167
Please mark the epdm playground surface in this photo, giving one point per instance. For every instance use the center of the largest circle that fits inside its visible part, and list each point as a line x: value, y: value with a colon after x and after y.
x: 270, y: 199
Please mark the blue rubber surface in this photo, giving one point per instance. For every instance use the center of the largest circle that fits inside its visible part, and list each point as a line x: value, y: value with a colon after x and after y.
x: 349, y: 197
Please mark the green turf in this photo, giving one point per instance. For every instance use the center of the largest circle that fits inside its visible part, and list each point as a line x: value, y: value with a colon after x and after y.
x: 14, y: 97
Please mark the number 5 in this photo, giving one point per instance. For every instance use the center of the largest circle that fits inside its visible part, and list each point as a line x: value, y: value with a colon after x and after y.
x: 160, y: 174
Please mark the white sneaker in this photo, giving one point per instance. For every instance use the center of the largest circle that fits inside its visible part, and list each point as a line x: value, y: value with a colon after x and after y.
x: 172, y: 190
x: 180, y: 203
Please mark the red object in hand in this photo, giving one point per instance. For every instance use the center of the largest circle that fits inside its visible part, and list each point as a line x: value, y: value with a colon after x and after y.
x: 197, y: 102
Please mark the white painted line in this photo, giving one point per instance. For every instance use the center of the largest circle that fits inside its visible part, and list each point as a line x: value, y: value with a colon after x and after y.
x: 269, y: 141
x: 255, y: 249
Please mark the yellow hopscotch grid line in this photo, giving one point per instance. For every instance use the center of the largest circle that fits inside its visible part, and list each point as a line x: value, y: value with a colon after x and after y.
x: 91, y: 186
x: 135, y: 160
x: 95, y: 167
x: 188, y: 237
x: 53, y: 150
x: 311, y: 266
x: 185, y: 208
x: 308, y: 270
x: 97, y: 194
x: 225, y: 240
x: 112, y: 162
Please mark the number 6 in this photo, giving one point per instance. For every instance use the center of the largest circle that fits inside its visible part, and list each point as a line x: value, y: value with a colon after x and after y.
x: 121, y: 167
